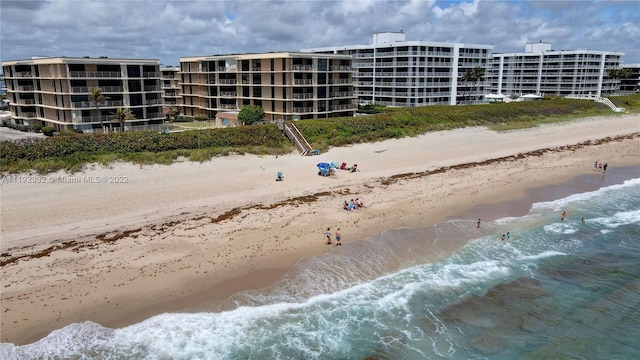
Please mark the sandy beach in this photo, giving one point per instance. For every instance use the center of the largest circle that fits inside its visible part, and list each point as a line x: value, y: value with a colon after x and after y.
x: 115, y: 245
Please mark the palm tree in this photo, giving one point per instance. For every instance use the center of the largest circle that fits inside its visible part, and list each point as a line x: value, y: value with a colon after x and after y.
x: 96, y: 96
x: 173, y: 113
x: 616, y: 75
x: 121, y: 115
x: 472, y: 76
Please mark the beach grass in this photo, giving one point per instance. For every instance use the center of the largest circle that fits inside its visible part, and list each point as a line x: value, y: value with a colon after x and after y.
x: 73, y: 152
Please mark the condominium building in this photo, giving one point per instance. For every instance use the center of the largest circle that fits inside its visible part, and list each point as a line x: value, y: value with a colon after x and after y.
x: 171, y: 86
x: 542, y: 71
x: 394, y: 72
x: 630, y: 85
x: 54, y: 91
x: 287, y: 85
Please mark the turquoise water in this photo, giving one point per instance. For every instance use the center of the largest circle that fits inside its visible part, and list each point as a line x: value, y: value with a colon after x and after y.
x: 556, y: 290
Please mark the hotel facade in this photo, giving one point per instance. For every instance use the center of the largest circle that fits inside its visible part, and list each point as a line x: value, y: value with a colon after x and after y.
x: 540, y: 70
x: 394, y: 72
x: 287, y: 85
x: 54, y: 91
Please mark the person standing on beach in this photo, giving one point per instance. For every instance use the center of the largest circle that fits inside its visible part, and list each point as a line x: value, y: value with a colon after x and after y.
x: 595, y: 166
x: 600, y: 165
x: 604, y: 167
x: 328, y: 234
x: 478, y: 223
x: 338, y: 238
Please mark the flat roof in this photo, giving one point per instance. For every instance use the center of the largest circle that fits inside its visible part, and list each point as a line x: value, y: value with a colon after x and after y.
x: 399, y: 44
x: 78, y: 60
x: 267, y: 55
x: 560, y: 52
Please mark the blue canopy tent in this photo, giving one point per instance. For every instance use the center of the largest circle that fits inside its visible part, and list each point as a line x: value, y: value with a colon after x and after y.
x: 323, y: 169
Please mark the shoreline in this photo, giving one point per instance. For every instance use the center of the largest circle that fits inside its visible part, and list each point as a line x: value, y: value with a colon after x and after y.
x: 203, y: 252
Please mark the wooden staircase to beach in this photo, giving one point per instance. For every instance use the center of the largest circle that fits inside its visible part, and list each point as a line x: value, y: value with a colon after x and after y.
x: 299, y: 142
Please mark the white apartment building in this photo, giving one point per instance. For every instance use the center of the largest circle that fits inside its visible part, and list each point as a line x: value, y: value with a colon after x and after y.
x: 54, y: 91
x: 394, y: 72
x: 540, y: 70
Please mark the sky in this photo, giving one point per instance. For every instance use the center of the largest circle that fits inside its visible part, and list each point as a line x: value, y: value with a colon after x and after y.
x: 168, y: 30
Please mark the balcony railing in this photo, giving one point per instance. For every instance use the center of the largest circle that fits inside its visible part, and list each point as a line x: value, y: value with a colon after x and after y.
x: 95, y: 74
x: 89, y: 104
x: 26, y: 101
x: 152, y: 88
x: 29, y: 115
x: 228, y: 106
x: 341, y: 68
x: 24, y: 74
x: 153, y: 102
x: 228, y: 93
x: 94, y: 119
x: 341, y: 94
x: 26, y: 88
x: 343, y: 107
x: 302, y: 109
x: 302, y: 67
x: 341, y: 81
x: 105, y: 89
x: 302, y: 96
x: 302, y: 82
x: 152, y: 74
x: 228, y: 81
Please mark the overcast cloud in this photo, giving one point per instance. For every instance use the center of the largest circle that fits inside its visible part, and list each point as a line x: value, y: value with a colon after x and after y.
x: 168, y: 30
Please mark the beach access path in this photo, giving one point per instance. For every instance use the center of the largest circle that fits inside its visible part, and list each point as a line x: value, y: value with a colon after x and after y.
x: 118, y: 244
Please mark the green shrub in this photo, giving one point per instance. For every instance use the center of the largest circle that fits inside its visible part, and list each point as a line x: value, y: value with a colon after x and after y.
x: 36, y: 128
x: 48, y: 130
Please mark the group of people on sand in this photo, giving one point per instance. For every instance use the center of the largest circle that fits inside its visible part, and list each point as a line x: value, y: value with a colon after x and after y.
x: 338, y: 237
x: 599, y: 166
x: 353, y: 204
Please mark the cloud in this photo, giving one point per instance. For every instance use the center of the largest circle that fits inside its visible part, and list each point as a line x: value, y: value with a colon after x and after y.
x: 168, y: 30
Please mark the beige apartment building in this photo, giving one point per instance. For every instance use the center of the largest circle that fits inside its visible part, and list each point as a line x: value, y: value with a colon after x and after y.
x: 171, y: 86
x: 54, y: 91
x: 287, y: 85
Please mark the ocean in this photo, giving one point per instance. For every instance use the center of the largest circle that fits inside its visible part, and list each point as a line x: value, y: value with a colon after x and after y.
x: 555, y: 290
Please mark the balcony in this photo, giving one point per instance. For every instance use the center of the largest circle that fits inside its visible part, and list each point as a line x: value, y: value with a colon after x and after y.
x: 343, y: 107
x: 94, y: 119
x: 302, y: 82
x: 302, y: 109
x: 26, y: 101
x: 228, y: 81
x: 89, y: 104
x: 29, y: 115
x: 341, y: 94
x: 153, y: 102
x: 340, y: 81
x: 24, y: 74
x: 228, y: 106
x: 26, y: 88
x: 95, y: 74
x: 341, y: 68
x: 228, y: 93
x: 152, y: 74
x: 105, y: 89
x: 302, y: 67
x: 152, y: 88
x: 302, y: 96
